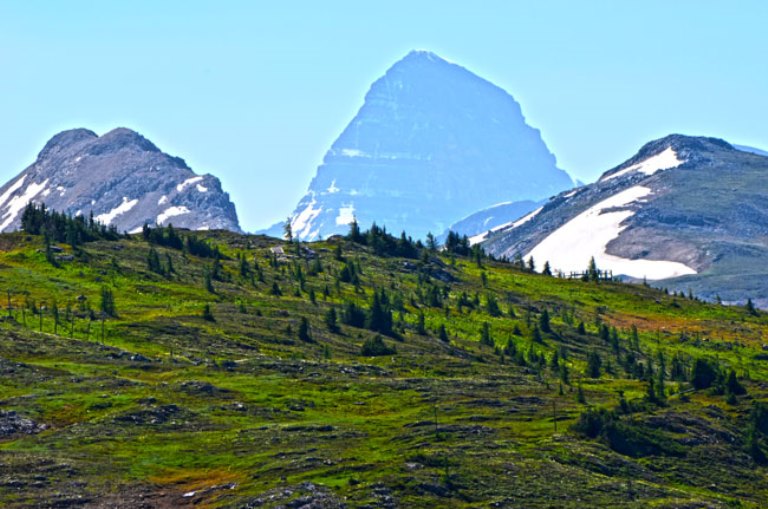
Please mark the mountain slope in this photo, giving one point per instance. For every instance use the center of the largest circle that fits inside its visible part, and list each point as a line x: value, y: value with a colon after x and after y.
x: 477, y: 225
x: 501, y: 388
x: 431, y: 144
x: 120, y: 177
x: 687, y: 208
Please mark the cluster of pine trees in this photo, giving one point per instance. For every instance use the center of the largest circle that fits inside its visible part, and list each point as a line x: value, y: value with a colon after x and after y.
x: 168, y: 237
x: 60, y: 227
x: 384, y: 244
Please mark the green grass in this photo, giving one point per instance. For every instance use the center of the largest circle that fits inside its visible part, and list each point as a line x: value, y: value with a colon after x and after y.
x: 170, y: 403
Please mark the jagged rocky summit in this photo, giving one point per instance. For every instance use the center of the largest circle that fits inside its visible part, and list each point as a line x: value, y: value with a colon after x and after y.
x: 120, y: 177
x: 431, y: 144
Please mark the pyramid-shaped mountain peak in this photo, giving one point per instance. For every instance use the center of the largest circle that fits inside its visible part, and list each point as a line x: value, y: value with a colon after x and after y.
x: 431, y: 144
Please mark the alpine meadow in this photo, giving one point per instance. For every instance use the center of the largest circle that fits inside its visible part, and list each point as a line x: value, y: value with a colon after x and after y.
x: 339, y: 255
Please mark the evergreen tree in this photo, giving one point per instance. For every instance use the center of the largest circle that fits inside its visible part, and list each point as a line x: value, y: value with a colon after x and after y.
x: 442, y: 334
x: 376, y: 346
x: 593, y: 274
x: 153, y: 261
x: 732, y: 385
x: 304, y: 332
x: 288, y: 230
x: 677, y: 369
x: 544, y: 324
x: 703, y: 374
x: 431, y: 242
x: 352, y: 315
x: 49, y: 256
x: 354, y: 232
x: 331, y: 320
x: 208, y: 314
x: 554, y: 362
x: 547, y: 270
x: 650, y: 392
x: 491, y: 305
x: 614, y: 340
x: 421, y: 328
x: 107, y: 302
x: 56, y: 317
x: 510, y: 349
x: 580, y: 396
x: 379, y: 315
x: 536, y: 335
x: 594, y: 364
x: 485, y: 335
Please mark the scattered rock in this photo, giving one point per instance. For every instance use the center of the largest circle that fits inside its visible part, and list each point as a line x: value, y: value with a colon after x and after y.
x: 12, y: 424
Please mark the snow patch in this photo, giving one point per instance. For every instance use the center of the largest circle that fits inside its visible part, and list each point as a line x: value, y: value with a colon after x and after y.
x: 353, y: 152
x: 332, y: 188
x: 120, y: 209
x: 526, y: 218
x: 14, y: 187
x: 171, y: 212
x: 201, y: 189
x: 138, y: 229
x: 17, y: 203
x: 188, y: 182
x: 346, y: 215
x: 570, y: 247
x: 476, y: 239
x: 662, y: 161
x: 301, y: 224
x: 163, y: 200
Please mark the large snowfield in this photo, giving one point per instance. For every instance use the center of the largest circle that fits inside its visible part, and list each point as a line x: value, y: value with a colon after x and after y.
x: 570, y: 247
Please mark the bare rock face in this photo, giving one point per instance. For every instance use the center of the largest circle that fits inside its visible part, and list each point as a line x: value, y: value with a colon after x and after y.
x: 431, y: 144
x: 122, y: 179
x: 688, y: 211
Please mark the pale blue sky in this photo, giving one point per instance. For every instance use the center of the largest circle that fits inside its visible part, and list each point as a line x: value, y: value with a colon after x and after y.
x: 255, y: 92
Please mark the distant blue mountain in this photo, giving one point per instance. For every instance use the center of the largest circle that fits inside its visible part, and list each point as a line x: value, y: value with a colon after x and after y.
x: 752, y: 150
x: 492, y: 218
x: 432, y: 144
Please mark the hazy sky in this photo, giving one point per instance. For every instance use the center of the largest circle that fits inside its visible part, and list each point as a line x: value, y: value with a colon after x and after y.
x: 255, y: 92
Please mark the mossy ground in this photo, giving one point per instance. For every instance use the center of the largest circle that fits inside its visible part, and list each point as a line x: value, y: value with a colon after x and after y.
x: 170, y: 409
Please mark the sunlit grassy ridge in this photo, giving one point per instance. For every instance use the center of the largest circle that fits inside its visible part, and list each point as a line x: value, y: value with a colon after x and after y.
x: 236, y: 409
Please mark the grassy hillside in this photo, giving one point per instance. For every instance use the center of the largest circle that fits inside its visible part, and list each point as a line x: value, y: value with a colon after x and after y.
x: 223, y: 382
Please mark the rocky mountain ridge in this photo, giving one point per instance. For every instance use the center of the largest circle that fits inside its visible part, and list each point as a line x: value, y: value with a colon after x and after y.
x: 121, y: 178
x: 688, y: 211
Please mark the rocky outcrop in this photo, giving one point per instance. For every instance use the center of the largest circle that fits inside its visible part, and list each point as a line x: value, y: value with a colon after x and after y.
x: 122, y: 179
